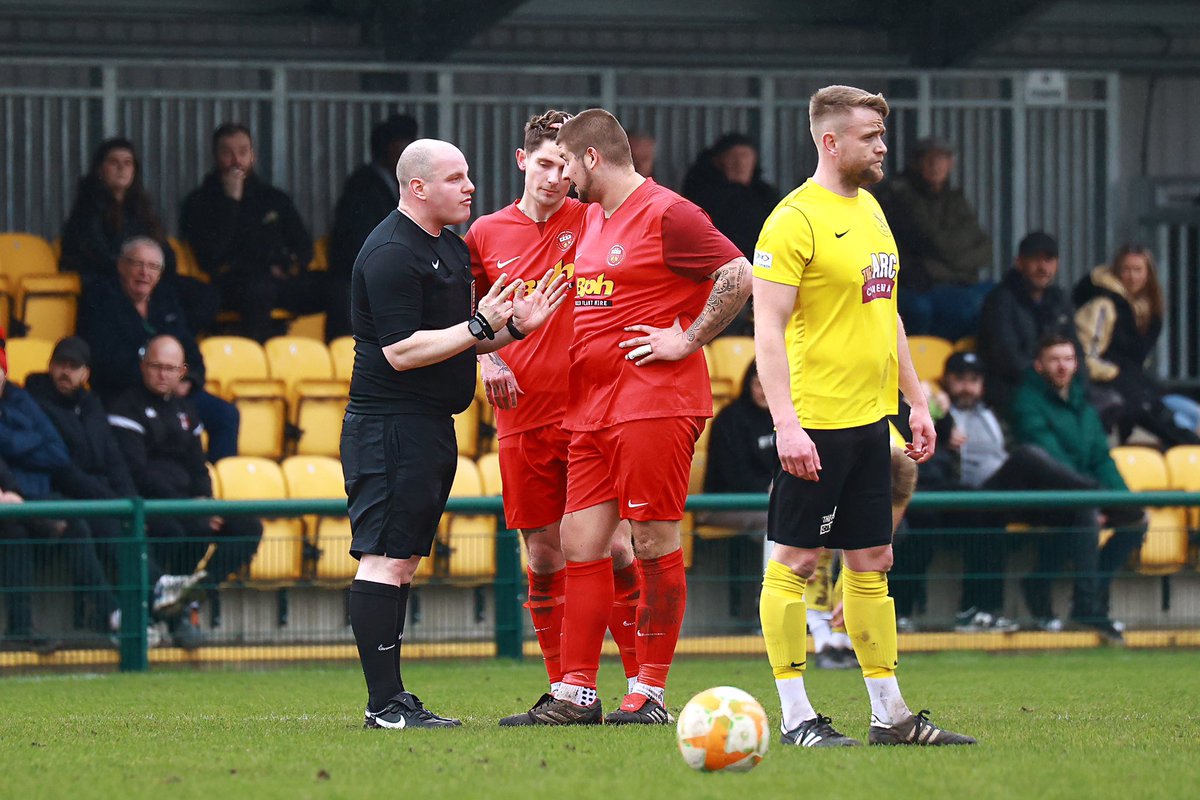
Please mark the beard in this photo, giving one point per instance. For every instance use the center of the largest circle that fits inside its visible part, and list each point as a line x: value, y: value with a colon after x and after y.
x: 869, y: 175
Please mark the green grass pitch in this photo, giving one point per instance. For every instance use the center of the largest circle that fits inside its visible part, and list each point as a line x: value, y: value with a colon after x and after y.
x: 1089, y: 724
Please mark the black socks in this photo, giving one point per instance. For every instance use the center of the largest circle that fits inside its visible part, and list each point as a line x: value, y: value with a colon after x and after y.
x: 377, y: 618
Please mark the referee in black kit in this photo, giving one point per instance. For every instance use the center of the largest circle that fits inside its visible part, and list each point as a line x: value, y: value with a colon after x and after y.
x: 417, y: 330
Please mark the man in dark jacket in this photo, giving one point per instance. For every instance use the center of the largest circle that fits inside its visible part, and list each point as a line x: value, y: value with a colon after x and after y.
x: 116, y: 318
x: 96, y: 469
x: 370, y: 194
x: 249, y: 237
x: 1051, y: 410
x: 34, y: 451
x: 1017, y: 313
x: 17, y: 574
x: 159, y: 435
x: 942, y: 245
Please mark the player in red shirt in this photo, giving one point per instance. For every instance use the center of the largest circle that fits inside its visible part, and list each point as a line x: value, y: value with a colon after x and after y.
x: 654, y: 281
x: 528, y: 389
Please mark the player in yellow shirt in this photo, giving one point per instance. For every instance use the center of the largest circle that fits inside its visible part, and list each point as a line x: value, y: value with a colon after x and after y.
x: 831, y: 353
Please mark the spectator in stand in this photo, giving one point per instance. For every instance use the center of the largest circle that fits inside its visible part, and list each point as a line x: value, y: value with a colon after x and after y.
x: 119, y: 314
x: 249, y: 237
x: 16, y: 574
x: 1022, y: 309
x: 33, y: 451
x: 726, y: 181
x: 943, y: 248
x: 111, y: 206
x: 158, y: 432
x: 96, y: 469
x: 370, y: 194
x: 1119, y: 320
x: 643, y: 148
x: 1051, y: 410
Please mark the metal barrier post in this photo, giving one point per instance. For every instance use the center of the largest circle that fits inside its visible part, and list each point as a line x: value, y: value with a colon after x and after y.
x: 134, y: 576
x: 509, y: 638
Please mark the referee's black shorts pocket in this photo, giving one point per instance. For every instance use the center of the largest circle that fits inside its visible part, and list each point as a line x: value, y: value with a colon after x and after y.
x: 363, y: 446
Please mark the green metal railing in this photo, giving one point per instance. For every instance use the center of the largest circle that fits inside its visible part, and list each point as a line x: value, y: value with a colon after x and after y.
x: 508, y: 585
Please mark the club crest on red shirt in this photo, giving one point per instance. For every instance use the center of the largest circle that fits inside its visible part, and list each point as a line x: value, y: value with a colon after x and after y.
x: 565, y: 240
x: 616, y: 255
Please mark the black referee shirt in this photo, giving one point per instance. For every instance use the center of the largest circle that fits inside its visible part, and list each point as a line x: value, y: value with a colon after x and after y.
x: 406, y: 281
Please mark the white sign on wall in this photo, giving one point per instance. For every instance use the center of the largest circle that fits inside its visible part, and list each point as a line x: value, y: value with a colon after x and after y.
x: 1046, y: 88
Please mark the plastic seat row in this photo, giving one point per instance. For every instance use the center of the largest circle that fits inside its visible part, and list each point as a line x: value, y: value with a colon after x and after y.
x: 33, y: 290
x: 1145, y: 469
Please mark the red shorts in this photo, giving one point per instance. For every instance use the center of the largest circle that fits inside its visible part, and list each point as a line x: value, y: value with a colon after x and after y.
x: 533, y: 468
x: 643, y: 464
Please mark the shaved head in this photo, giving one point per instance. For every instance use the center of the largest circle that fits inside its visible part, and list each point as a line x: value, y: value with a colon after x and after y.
x: 434, y: 188
x: 420, y: 159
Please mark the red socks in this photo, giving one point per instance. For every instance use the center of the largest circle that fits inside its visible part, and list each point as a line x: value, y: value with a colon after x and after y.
x: 622, y: 622
x: 546, y: 595
x: 589, y: 604
x: 659, y: 616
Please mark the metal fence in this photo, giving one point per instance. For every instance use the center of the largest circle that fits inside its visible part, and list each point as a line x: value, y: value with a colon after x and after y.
x: 1025, y: 163
x: 480, y: 614
x: 1170, y: 225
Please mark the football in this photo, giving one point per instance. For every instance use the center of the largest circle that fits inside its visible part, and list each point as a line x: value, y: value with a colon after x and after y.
x: 723, y: 729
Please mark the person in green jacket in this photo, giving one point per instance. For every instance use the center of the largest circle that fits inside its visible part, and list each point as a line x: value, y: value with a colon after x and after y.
x: 1051, y: 410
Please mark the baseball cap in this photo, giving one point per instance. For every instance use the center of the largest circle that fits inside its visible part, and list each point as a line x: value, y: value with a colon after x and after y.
x: 932, y: 144
x: 72, y: 350
x: 962, y: 363
x: 1038, y: 243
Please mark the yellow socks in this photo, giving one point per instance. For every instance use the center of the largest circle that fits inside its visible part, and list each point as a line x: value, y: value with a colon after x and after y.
x: 870, y: 620
x: 784, y: 618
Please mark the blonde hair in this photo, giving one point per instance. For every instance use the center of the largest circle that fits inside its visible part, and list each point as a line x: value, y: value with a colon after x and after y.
x: 841, y: 100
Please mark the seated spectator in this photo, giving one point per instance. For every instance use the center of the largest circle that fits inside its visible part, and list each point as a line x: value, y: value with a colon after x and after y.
x: 643, y: 148
x: 370, y: 194
x: 1051, y: 410
x: 96, y: 469
x: 1022, y: 309
x: 119, y: 314
x: 1119, y: 320
x: 159, y: 435
x: 17, y: 575
x: 111, y: 205
x: 33, y: 451
x: 726, y: 181
x: 943, y: 248
x: 249, y: 237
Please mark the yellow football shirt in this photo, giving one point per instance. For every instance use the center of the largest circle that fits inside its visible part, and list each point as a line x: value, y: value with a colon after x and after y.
x: 841, y: 338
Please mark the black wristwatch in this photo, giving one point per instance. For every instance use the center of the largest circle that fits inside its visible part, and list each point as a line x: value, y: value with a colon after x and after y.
x: 514, y: 331
x: 480, y: 328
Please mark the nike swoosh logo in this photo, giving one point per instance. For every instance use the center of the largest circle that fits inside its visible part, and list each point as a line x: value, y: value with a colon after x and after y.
x: 503, y: 264
x: 638, y: 505
x: 640, y: 633
x: 627, y: 624
x: 437, y: 263
x: 389, y: 647
x: 843, y: 233
x: 796, y: 665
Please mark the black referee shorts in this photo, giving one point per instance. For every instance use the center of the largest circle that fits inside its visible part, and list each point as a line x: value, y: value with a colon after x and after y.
x: 398, y: 469
x: 850, y: 507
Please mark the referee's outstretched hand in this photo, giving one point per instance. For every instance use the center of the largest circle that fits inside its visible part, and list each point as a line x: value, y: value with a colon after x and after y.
x: 531, y: 310
x: 496, y: 306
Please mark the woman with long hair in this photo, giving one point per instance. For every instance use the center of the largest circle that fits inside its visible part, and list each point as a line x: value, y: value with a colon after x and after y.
x: 1119, y: 319
x: 112, y: 206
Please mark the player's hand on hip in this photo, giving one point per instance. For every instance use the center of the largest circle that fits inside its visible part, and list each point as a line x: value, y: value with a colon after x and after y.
x: 924, y: 437
x: 496, y: 306
x: 531, y: 310
x: 656, y: 344
x: 797, y: 454
x: 499, y: 382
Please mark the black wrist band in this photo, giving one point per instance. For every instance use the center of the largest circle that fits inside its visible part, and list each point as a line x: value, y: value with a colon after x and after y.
x: 488, y: 331
x: 514, y: 331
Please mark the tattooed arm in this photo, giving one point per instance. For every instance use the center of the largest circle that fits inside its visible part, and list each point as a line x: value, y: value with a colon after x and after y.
x: 499, y: 382
x: 731, y: 287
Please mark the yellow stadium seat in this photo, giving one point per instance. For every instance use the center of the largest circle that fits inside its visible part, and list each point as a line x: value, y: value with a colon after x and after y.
x: 929, y: 354
x: 1165, y: 548
x: 48, y: 304
x: 466, y: 430
x: 24, y: 254
x: 967, y: 344
x: 319, y: 477
x: 731, y: 356
x: 279, y: 557
x: 228, y: 359
x: 341, y: 352
x: 1183, y: 473
x: 27, y: 356
x: 293, y: 359
x: 308, y: 326
x: 320, y: 259
x: 263, y: 411
x: 470, y: 538
x: 185, y: 260
x: 319, y: 411
x: 214, y: 479
x: 489, y: 474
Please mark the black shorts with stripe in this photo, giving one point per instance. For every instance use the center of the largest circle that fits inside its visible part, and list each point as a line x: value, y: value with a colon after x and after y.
x: 398, y: 469
x: 850, y: 507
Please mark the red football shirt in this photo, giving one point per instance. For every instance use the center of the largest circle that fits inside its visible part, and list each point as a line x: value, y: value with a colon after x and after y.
x: 510, y: 242
x: 645, y: 265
